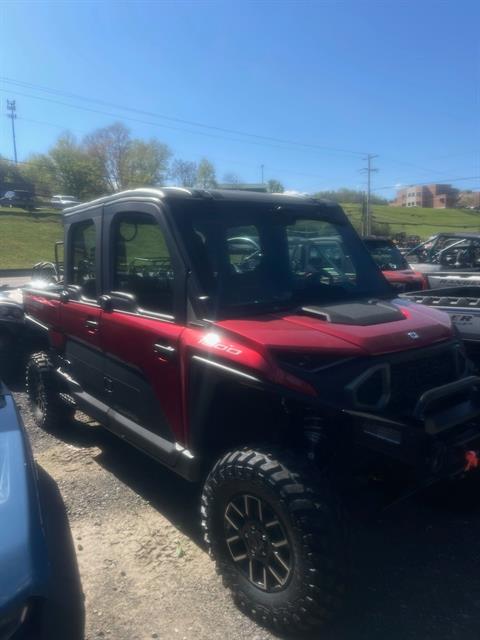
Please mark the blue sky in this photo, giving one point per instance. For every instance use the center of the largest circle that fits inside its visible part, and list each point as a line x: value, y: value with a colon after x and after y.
x: 398, y: 79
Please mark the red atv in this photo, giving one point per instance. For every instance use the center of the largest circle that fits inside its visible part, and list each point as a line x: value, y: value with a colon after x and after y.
x: 188, y: 325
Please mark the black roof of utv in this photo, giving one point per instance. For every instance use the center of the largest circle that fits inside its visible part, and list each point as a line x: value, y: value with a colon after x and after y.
x: 180, y: 193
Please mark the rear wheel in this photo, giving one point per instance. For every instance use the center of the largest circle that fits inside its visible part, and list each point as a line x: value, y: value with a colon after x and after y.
x: 278, y: 537
x: 49, y: 409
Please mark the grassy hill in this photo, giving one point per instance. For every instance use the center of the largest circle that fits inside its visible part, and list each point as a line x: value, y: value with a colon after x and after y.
x: 417, y: 221
x: 28, y: 238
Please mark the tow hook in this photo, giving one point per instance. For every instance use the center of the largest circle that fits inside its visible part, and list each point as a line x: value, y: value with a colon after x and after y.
x: 472, y: 460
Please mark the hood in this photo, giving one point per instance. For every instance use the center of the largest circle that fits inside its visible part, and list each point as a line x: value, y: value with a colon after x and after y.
x: 332, y: 330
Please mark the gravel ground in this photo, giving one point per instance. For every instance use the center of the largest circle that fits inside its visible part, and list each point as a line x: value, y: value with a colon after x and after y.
x: 135, y: 553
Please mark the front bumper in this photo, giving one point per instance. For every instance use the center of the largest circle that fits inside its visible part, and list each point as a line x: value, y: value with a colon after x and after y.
x: 445, y: 425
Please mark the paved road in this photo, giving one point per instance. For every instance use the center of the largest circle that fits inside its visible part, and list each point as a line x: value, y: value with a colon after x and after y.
x: 136, y: 550
x: 14, y: 282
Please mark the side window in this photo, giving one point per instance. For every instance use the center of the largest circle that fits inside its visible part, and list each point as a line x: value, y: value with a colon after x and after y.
x: 142, y: 264
x: 83, y: 242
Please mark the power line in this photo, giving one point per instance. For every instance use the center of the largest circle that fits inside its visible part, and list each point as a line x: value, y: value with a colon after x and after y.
x: 230, y: 160
x: 413, y: 182
x: 411, y: 164
x: 252, y: 137
x: 145, y: 122
x: 74, y: 96
x: 52, y: 124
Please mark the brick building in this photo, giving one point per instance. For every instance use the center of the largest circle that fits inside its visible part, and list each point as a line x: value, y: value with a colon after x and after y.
x: 436, y: 196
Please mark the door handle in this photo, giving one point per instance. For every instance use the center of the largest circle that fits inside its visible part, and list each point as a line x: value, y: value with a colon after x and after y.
x: 164, y: 351
x: 91, y: 324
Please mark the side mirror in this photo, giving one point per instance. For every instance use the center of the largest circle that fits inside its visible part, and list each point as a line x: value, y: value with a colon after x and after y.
x: 118, y: 300
x: 106, y: 303
x: 72, y: 292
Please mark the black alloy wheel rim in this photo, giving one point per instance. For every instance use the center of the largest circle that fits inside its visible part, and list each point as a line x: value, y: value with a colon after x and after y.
x: 257, y: 542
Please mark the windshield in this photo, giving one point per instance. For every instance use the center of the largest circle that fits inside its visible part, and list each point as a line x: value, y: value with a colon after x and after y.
x: 386, y: 255
x: 259, y: 256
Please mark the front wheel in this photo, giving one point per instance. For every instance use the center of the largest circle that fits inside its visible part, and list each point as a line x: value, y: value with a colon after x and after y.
x: 49, y: 409
x: 278, y: 536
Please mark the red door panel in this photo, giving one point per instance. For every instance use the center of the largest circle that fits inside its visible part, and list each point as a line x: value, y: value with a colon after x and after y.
x: 143, y: 366
x: 43, y: 307
x: 81, y: 326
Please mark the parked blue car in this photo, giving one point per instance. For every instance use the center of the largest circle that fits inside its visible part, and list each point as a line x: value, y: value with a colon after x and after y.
x: 24, y: 568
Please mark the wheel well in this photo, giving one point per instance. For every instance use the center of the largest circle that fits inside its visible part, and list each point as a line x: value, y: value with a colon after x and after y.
x: 236, y: 415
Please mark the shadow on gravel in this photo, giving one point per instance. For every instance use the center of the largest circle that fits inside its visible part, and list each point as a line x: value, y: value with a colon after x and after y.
x: 64, y: 613
x: 417, y: 570
x: 177, y: 499
x: 416, y: 566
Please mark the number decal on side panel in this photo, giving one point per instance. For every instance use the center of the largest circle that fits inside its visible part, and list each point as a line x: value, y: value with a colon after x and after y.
x: 212, y: 340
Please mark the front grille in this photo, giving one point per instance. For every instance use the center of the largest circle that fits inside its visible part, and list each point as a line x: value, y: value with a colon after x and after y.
x: 409, y: 379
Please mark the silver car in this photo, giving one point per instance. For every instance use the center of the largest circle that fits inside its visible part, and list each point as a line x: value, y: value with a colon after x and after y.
x: 62, y: 202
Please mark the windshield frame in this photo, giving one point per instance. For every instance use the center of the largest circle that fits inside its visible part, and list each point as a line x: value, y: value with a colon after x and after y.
x: 207, y: 301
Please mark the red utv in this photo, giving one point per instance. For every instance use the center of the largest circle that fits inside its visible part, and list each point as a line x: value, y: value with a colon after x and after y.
x: 192, y: 324
x: 394, y: 266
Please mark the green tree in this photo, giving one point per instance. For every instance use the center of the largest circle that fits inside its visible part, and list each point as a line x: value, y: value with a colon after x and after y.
x: 109, y: 147
x: 206, y: 177
x: 184, y: 172
x: 40, y: 171
x: 77, y: 172
x: 127, y: 162
x: 11, y: 177
x: 275, y: 186
x: 145, y: 164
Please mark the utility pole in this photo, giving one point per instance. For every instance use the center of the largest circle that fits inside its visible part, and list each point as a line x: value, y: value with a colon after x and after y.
x: 262, y: 166
x: 12, y: 108
x: 368, y: 214
x: 364, y: 214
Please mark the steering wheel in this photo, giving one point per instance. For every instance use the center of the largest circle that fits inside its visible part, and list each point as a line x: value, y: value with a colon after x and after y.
x: 318, y: 275
x: 249, y: 262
